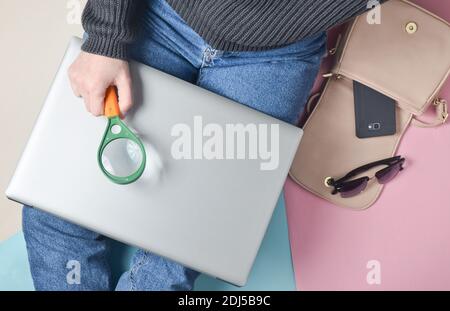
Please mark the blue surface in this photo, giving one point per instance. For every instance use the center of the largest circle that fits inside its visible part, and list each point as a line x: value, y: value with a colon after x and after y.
x: 273, y: 266
x: 272, y: 269
x: 14, y: 269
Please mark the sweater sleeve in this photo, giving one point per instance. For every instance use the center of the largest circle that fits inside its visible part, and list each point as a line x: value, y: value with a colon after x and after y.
x: 110, y: 27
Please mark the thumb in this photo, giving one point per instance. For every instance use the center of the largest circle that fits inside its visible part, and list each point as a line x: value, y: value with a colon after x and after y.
x: 123, y: 85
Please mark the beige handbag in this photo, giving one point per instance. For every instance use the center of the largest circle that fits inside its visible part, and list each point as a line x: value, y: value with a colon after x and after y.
x: 406, y: 57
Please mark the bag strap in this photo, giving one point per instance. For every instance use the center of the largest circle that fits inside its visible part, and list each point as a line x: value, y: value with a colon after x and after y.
x: 441, y: 115
x: 309, y: 105
x: 440, y: 104
x: 312, y: 98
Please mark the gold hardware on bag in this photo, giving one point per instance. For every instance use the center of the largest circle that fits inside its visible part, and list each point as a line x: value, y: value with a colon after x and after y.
x: 443, y: 104
x: 338, y: 42
x: 442, y: 115
x: 439, y: 101
x: 330, y: 75
x: 411, y: 28
x: 328, y: 182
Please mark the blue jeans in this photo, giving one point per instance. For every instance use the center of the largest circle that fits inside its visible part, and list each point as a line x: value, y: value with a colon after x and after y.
x: 64, y: 256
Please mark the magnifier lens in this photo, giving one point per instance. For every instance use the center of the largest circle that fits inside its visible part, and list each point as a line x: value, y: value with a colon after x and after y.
x: 122, y: 157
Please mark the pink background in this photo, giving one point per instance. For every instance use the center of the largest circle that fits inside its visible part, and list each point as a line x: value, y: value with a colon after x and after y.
x: 407, y: 230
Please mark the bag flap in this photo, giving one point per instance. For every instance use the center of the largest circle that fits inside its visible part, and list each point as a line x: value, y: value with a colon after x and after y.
x: 330, y: 148
x: 406, y: 56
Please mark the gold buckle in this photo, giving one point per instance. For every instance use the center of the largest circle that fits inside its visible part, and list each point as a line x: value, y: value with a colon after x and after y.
x: 445, y: 113
x: 328, y: 182
x: 442, y: 102
x: 411, y: 28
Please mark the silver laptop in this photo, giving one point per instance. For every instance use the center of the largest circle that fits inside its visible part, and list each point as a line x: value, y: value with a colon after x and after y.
x: 206, y: 208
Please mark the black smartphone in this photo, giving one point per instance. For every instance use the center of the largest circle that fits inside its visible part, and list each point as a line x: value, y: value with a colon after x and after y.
x: 374, y: 112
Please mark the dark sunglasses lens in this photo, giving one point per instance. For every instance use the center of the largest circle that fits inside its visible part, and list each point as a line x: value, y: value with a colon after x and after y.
x: 354, y: 187
x: 387, y: 174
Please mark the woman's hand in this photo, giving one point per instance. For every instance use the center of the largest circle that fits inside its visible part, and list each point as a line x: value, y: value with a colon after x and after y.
x: 90, y: 75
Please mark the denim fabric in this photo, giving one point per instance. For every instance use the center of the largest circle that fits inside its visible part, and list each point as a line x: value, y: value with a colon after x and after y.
x: 276, y: 82
x: 64, y: 256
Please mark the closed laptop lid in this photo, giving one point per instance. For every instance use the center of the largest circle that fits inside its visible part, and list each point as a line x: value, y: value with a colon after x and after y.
x: 205, y: 199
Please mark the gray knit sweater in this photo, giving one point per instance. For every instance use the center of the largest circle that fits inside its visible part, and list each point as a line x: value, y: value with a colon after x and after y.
x: 233, y: 25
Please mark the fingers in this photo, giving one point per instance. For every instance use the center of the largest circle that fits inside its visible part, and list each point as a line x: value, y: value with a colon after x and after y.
x: 93, y: 94
x: 95, y: 101
x: 74, y: 82
x: 90, y: 75
x: 75, y: 89
x: 123, y: 83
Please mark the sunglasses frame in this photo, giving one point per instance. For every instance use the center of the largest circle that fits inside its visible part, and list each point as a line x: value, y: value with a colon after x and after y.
x: 340, y: 183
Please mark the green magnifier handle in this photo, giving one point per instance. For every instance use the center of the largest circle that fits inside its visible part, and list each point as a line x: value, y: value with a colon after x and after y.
x: 117, y: 130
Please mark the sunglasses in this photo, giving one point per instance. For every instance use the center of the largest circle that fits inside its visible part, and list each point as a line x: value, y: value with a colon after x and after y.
x: 348, y: 188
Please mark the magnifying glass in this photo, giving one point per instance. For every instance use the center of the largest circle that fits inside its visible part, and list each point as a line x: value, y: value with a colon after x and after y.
x: 121, y: 155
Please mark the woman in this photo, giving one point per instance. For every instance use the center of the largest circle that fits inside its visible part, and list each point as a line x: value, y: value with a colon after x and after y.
x: 262, y: 53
